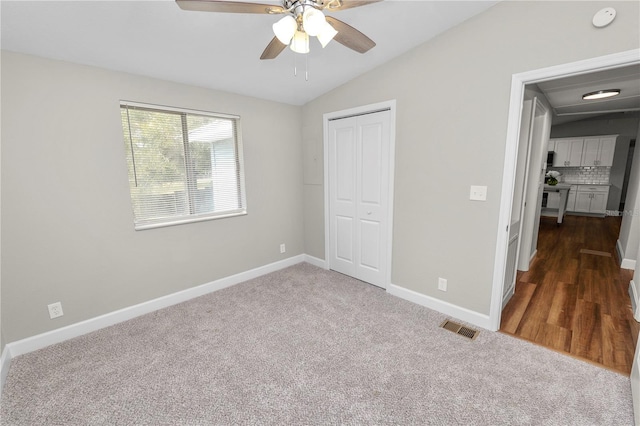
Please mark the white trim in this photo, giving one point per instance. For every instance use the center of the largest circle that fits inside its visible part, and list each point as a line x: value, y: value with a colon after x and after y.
x: 155, y: 107
x: 320, y: 263
x: 391, y: 106
x: 635, y: 300
x: 508, y: 296
x: 466, y: 315
x: 624, y: 263
x: 518, y: 82
x: 188, y: 219
x: 619, y: 251
x: 40, y: 341
x: 5, y: 364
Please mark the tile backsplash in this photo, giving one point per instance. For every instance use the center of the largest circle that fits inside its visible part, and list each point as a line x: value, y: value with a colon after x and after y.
x: 584, y: 175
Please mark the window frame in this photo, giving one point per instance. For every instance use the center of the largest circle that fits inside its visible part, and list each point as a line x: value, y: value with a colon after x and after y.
x: 140, y: 225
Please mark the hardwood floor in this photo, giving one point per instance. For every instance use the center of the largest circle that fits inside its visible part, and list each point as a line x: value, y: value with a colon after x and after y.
x: 574, y: 298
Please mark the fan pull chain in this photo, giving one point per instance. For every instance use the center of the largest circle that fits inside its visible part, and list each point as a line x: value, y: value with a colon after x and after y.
x: 306, y: 66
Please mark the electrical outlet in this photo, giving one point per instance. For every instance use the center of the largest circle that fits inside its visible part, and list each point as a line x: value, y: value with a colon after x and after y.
x: 478, y: 193
x: 282, y: 248
x: 55, y: 310
x: 442, y: 284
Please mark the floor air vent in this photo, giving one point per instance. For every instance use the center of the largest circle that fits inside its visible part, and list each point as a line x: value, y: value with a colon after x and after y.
x: 467, y: 332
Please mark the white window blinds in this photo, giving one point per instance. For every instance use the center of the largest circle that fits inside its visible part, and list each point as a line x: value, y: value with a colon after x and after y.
x: 184, y: 166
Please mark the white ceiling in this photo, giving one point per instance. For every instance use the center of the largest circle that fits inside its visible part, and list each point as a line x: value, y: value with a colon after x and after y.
x: 565, y: 94
x: 219, y: 50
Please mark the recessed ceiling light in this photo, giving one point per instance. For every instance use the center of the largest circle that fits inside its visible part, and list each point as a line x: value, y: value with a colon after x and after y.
x: 599, y: 94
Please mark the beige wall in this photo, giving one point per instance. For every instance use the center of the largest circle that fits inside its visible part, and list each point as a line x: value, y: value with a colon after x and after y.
x: 67, y: 223
x: 453, y: 98
x: 67, y: 226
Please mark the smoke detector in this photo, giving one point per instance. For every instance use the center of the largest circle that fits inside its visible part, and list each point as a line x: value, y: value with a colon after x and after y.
x: 604, y: 17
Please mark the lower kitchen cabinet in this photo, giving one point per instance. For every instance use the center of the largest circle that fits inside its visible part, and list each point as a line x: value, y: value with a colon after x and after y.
x: 591, y: 199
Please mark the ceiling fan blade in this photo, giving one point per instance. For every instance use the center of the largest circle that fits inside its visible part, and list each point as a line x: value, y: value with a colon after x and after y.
x: 274, y: 48
x: 350, y: 37
x: 228, y: 6
x: 346, y: 4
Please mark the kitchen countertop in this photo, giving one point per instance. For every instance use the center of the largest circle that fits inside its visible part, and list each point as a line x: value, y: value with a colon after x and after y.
x: 590, y: 184
x: 557, y: 187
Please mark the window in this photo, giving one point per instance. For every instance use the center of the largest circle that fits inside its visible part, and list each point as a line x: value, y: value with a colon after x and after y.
x: 184, y: 166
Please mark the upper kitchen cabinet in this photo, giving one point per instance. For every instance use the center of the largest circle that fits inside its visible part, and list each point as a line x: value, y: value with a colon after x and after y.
x: 585, y: 151
x: 598, y: 151
x: 568, y: 152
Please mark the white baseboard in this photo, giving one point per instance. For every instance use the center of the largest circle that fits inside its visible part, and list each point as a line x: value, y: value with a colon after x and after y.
x: 5, y: 363
x: 635, y: 300
x: 624, y: 263
x: 78, y: 329
x: 320, y: 263
x: 40, y: 341
x: 466, y: 315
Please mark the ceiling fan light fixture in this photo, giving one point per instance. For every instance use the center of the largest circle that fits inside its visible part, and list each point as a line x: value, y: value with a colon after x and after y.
x: 327, y: 34
x: 300, y: 42
x: 285, y: 29
x: 601, y: 94
x: 313, y: 21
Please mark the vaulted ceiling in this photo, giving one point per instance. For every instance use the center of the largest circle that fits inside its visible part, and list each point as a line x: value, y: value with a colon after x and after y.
x: 220, y: 50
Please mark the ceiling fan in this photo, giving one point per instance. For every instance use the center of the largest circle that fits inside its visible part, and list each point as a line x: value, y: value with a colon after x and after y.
x: 303, y: 18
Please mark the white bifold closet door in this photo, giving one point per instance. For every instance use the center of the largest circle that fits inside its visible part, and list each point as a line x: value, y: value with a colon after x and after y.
x: 359, y: 196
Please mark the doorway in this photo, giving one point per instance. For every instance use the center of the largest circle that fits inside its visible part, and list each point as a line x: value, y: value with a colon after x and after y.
x: 519, y: 81
x: 359, y: 146
x: 575, y: 297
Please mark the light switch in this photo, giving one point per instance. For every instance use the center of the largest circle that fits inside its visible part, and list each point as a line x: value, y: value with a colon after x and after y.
x: 478, y: 193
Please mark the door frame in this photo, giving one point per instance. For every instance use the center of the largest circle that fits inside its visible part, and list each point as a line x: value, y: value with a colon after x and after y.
x: 389, y: 105
x: 518, y: 82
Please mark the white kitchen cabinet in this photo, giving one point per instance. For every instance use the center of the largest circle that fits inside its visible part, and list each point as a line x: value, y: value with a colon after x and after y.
x: 591, y: 199
x: 598, y: 151
x: 551, y: 145
x: 583, y: 202
x: 568, y: 152
x: 599, y: 203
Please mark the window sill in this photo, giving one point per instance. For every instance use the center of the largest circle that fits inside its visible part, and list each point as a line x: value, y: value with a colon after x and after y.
x: 182, y: 221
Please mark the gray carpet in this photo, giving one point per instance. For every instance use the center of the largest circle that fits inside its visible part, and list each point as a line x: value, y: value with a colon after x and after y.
x: 305, y: 346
